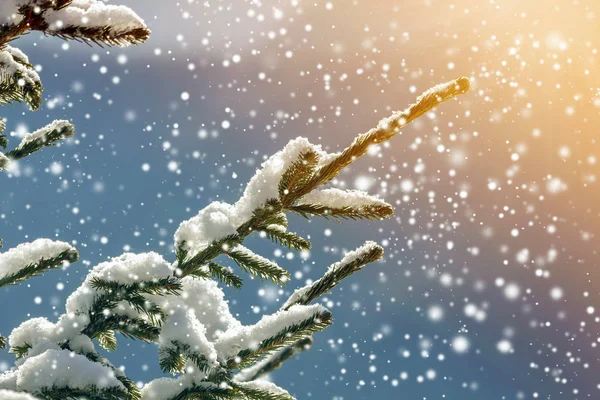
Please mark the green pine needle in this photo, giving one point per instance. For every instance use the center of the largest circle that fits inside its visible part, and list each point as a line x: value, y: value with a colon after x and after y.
x: 224, y: 275
x: 297, y: 176
x: 287, y: 239
x: 370, y: 213
x: 259, y: 266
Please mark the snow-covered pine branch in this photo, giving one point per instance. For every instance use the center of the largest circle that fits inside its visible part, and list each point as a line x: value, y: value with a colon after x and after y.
x: 90, y: 21
x: 18, y: 79
x: 32, y: 259
x: 179, y: 306
x: 84, y: 20
x: 47, y: 136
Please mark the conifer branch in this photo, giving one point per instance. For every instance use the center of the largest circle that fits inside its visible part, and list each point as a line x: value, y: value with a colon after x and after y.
x: 224, y: 275
x: 89, y: 393
x: 174, y: 357
x: 285, y: 337
x: 274, y: 361
x: 279, y: 235
x: 387, y: 129
x: 370, y: 213
x: 44, y: 137
x: 354, y: 261
x: 38, y: 268
x: 107, y: 340
x: 257, y: 265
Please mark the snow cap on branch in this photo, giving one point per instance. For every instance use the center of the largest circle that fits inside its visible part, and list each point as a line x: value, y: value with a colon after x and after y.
x: 126, y: 269
x: 55, y: 369
x: 87, y: 20
x: 218, y: 219
x: 18, y: 79
x: 248, y: 337
x: 10, y: 395
x: 207, y: 302
x: 14, y: 260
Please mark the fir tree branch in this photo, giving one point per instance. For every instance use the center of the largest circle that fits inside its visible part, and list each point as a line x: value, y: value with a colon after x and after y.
x: 205, y: 392
x: 107, y: 340
x: 386, y: 130
x: 353, y: 262
x: 44, y: 137
x: 224, y: 275
x: 297, y: 176
x: 89, y: 393
x: 38, y: 268
x: 19, y: 82
x: 279, y: 235
x: 285, y: 337
x: 274, y: 361
x: 252, y: 393
x: 174, y: 357
x: 370, y: 213
x: 161, y: 287
x: 257, y: 265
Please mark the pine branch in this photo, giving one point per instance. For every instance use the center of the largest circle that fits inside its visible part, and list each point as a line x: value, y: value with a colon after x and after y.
x: 89, y: 393
x: 387, y: 129
x: 103, y: 318
x: 279, y: 235
x: 101, y: 35
x: 101, y: 23
x: 224, y: 275
x: 19, y: 82
x: 107, y: 340
x: 297, y: 176
x: 44, y: 137
x: 174, y: 357
x: 133, y: 294
x: 161, y: 287
x: 38, y: 268
x: 274, y: 361
x: 370, y: 213
x: 206, y: 392
x: 20, y: 351
x: 351, y: 263
x: 257, y: 265
x: 285, y: 337
x: 2, y: 342
x: 254, y: 393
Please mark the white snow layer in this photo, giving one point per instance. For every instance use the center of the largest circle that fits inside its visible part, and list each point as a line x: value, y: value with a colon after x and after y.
x: 127, y: 268
x: 220, y: 219
x: 61, y: 369
x: 94, y: 14
x: 25, y: 254
x: 10, y: 395
x: 336, y: 198
x: 183, y: 327
x: 10, y: 65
